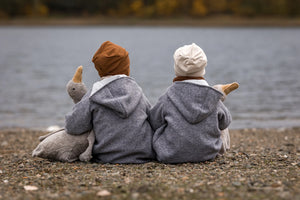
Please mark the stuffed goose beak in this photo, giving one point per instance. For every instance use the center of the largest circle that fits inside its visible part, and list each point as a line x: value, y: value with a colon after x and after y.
x: 78, y: 75
x: 229, y: 87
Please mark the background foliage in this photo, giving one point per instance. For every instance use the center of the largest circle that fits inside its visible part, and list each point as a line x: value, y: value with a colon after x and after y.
x: 149, y: 8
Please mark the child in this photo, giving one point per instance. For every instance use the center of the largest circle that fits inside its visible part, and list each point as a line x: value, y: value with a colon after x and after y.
x: 189, y: 117
x: 116, y: 109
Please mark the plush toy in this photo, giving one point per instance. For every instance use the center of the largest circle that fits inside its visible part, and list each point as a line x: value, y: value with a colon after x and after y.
x: 64, y: 147
x: 225, y: 89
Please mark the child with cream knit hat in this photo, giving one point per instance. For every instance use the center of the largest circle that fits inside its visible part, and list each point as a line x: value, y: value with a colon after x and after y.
x: 116, y: 109
x: 189, y: 117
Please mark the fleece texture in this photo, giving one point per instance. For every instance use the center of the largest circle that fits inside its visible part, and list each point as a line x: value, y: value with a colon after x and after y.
x: 187, y: 121
x: 117, y: 111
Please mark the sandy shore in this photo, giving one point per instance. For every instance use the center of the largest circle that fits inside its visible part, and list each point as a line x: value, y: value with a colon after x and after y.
x: 262, y: 164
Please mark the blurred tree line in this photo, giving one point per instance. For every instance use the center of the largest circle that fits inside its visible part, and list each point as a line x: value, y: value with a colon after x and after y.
x: 149, y: 8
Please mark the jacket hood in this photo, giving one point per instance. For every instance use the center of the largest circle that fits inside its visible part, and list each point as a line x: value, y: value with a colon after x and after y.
x: 118, y: 93
x: 194, y: 102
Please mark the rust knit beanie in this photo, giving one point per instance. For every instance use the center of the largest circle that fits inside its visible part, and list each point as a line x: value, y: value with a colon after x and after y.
x: 111, y: 59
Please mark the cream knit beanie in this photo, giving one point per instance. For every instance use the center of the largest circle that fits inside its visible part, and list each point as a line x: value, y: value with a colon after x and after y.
x: 190, y: 60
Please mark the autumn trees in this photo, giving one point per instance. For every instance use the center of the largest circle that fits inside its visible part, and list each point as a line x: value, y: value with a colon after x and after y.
x: 150, y: 8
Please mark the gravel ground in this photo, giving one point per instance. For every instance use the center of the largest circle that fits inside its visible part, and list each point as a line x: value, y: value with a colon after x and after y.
x: 262, y: 164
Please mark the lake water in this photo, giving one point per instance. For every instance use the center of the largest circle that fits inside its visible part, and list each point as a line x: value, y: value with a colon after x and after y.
x: 37, y: 62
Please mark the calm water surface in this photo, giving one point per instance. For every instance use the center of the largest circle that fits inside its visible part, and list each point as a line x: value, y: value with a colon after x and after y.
x: 37, y: 62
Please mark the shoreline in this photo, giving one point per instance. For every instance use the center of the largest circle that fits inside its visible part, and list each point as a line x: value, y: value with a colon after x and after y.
x: 261, y: 164
x: 225, y: 21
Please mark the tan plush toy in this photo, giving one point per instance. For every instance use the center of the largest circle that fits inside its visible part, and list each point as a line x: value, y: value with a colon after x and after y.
x: 64, y: 147
x: 226, y: 89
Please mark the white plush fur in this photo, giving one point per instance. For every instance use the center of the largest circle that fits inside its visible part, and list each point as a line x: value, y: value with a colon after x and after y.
x: 225, y: 136
x: 64, y: 147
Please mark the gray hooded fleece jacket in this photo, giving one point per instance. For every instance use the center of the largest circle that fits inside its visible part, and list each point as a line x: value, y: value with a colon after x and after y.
x: 117, y: 110
x: 188, y: 120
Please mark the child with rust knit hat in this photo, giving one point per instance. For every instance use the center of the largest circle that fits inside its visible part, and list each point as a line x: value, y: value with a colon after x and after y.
x: 116, y: 109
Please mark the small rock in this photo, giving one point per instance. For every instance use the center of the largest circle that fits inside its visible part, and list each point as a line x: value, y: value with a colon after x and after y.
x: 4, y: 143
x: 103, y: 193
x: 221, y: 194
x: 135, y: 195
x: 236, y: 183
x: 221, y: 162
x: 67, y: 193
x: 191, y: 190
x: 242, y: 179
x: 294, y: 164
x: 5, y: 181
x: 289, y: 144
x: 285, y: 195
x: 127, y: 180
x: 248, y: 166
x: 277, y: 184
x: 30, y: 188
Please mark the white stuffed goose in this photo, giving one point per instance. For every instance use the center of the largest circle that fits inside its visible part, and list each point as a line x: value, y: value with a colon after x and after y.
x: 226, y: 89
x: 64, y: 147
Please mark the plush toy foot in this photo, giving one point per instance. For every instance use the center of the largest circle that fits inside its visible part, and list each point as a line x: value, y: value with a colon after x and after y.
x: 85, y: 157
x: 87, y: 154
x: 229, y: 87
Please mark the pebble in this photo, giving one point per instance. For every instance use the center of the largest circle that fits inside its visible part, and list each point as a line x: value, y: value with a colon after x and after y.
x: 224, y: 178
x: 135, y: 195
x: 30, y: 188
x: 103, y: 193
x: 4, y: 143
x: 236, y: 183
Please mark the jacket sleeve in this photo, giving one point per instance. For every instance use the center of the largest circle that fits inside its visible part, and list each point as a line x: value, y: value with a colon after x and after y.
x: 156, y: 116
x: 80, y: 119
x: 224, y: 116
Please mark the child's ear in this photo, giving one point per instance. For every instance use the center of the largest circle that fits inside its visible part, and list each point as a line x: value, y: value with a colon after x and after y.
x: 229, y: 87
